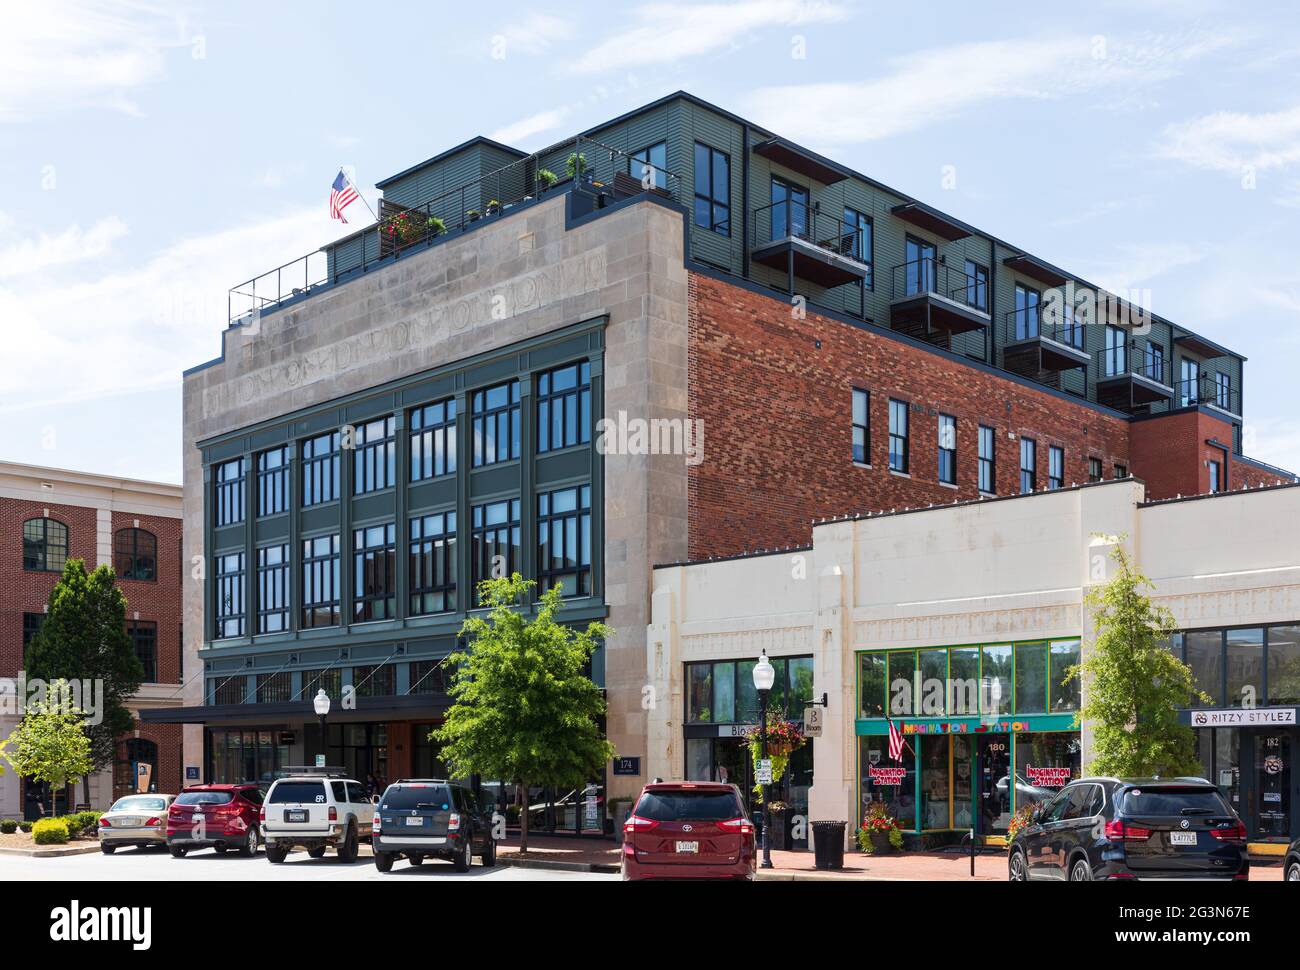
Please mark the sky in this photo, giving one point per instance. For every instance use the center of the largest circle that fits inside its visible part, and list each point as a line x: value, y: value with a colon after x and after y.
x: 153, y: 155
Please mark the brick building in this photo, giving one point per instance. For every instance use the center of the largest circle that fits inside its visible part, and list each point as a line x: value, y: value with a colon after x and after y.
x: 396, y: 412
x: 49, y: 516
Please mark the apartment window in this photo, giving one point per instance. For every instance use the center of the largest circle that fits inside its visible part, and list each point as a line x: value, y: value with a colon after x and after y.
x: 987, y: 460
x: 231, y: 690
x: 273, y: 481
x: 1115, y: 354
x: 948, y: 449
x: 433, y: 440
x: 375, y: 457
x: 494, y: 540
x: 144, y: 641
x: 1223, y: 391
x: 977, y: 285
x: 859, y: 242
x: 45, y: 545
x: 1216, y: 476
x: 228, y: 482
x: 789, y: 210
x: 1028, y: 306
x: 330, y: 680
x: 1055, y: 467
x: 320, y: 582
x: 31, y: 626
x: 320, y: 469
x: 428, y: 677
x: 564, y: 540
x: 1094, y: 470
x: 861, y: 426
x: 1028, y: 465
x: 1072, y: 327
x: 273, y: 589
x: 1154, y: 362
x: 919, y: 266
x: 276, y: 688
x: 1121, y: 471
x: 1188, y: 377
x: 229, y: 574
x: 375, y: 572
x: 135, y: 555
x: 898, y: 436
x: 712, y: 189
x: 564, y: 407
x: 650, y: 166
x: 433, y: 563
x: 496, y: 424
x: 377, y: 680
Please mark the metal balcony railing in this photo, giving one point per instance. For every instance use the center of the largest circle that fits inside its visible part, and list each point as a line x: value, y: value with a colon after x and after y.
x: 932, y: 277
x: 1129, y: 361
x: 787, y: 219
x: 575, y: 165
x: 1205, y: 389
x: 1030, y: 323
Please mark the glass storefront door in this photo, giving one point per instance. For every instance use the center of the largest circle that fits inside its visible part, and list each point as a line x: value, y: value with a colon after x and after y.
x: 1273, y: 785
x: 995, y: 783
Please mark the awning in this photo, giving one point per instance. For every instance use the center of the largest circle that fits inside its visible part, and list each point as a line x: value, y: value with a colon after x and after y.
x: 932, y: 220
x: 1035, y: 268
x: 399, y: 708
x: 801, y: 160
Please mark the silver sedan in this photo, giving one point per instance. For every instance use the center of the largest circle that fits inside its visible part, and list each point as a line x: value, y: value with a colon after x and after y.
x: 135, y: 820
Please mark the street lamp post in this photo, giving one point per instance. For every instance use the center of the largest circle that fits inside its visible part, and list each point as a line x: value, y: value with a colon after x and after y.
x: 764, y: 677
x: 322, y: 704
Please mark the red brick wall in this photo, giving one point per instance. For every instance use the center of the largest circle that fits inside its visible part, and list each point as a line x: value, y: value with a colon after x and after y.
x: 1251, y: 476
x: 778, y: 434
x: 159, y: 601
x: 1170, y: 454
x: 167, y: 778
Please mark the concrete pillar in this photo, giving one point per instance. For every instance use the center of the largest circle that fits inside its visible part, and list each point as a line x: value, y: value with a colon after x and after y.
x: 831, y: 797
x: 662, y: 698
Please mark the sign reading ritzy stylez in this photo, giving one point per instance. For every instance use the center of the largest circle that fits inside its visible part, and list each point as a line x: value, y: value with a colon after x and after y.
x: 886, y: 776
x: 1048, y: 777
x: 1246, y: 717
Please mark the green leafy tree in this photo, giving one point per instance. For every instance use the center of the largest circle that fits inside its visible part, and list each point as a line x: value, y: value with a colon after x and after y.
x: 1134, y: 686
x: 49, y: 744
x: 523, y: 709
x: 83, y: 638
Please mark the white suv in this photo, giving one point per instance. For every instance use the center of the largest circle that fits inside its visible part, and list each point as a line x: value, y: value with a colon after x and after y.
x: 314, y: 812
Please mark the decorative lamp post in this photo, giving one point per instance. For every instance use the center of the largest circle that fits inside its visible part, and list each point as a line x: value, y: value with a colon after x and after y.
x: 322, y: 704
x: 764, y: 677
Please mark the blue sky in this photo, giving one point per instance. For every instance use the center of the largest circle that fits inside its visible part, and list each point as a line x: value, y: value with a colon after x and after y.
x: 156, y: 154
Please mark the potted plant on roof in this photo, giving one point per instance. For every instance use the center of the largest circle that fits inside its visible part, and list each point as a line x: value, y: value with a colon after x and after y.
x: 435, y: 226
x: 576, y: 167
x: 473, y: 215
x: 880, y: 831
x: 493, y: 207
x: 545, y: 179
x: 401, y: 228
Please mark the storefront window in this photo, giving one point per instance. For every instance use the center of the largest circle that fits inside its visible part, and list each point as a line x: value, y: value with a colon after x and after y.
x: 700, y: 693
x: 1245, y: 667
x: 1205, y: 657
x: 890, y: 782
x: 777, y: 698
x: 1064, y: 696
x: 962, y: 792
x: 1045, y: 763
x: 724, y: 692
x: 1284, y: 665
x: 871, y: 685
x: 934, y: 682
x: 935, y: 782
x: 801, y: 685
x: 964, y: 681
x: 995, y: 681
x: 746, y: 695
x: 1031, y: 678
x: 902, y: 682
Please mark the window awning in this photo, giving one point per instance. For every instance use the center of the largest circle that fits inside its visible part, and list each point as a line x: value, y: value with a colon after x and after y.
x: 801, y: 160
x: 932, y: 220
x: 1035, y: 268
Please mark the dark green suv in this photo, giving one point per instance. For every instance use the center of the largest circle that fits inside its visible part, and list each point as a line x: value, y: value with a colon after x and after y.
x: 419, y: 818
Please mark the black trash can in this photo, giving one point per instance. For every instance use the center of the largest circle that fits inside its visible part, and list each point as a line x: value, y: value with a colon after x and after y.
x: 828, y: 844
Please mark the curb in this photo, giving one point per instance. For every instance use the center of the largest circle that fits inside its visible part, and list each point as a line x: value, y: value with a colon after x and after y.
x: 51, y: 852
x: 511, y: 860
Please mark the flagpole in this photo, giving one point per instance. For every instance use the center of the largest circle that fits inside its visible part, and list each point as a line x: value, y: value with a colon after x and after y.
x: 360, y: 196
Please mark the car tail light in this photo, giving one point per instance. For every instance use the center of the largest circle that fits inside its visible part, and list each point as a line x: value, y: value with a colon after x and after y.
x: 155, y: 821
x: 105, y: 823
x: 741, y: 825
x: 635, y: 823
x: 375, y: 823
x: 1236, y: 834
x: 261, y: 814
x: 1119, y: 830
x: 334, y: 814
x: 453, y: 822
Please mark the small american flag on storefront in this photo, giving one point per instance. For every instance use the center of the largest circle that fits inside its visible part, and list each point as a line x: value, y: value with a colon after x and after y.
x: 342, y: 194
x: 895, y: 741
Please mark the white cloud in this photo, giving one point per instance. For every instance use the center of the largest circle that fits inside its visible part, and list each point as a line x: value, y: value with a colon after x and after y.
x: 1234, y: 142
x: 670, y: 32
x: 1138, y: 265
x: 60, y: 54
x: 73, y: 245
x: 525, y: 128
x: 533, y: 35
x: 938, y: 84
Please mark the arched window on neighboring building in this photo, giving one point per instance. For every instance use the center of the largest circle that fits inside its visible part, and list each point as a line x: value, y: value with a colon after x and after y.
x: 135, y: 555
x: 45, y: 545
x: 138, y: 768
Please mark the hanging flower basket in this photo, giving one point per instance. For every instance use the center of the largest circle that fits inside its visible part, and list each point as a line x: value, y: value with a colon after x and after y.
x: 783, y: 738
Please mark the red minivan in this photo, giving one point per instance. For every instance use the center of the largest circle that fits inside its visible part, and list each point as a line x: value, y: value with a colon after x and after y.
x: 689, y: 830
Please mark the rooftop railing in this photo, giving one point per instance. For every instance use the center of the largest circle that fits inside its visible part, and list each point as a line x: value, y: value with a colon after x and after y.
x: 927, y: 276
x: 1032, y: 323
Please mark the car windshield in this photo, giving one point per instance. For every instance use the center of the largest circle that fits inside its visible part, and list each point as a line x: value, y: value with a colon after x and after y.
x: 139, y: 803
x: 701, y: 806
x: 401, y: 798
x: 296, y: 792
x: 1174, y: 801
x: 204, y: 798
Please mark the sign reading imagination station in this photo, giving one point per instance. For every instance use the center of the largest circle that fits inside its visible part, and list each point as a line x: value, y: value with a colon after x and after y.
x: 886, y: 776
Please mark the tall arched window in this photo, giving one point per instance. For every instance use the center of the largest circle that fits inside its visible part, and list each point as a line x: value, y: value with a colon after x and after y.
x: 136, y: 753
x: 135, y: 555
x: 45, y: 545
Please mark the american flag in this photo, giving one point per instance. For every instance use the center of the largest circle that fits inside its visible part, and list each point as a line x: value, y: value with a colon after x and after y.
x: 342, y: 194
x: 895, y: 742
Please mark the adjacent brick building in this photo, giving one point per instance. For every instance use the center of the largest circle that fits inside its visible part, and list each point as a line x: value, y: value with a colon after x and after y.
x: 48, y: 516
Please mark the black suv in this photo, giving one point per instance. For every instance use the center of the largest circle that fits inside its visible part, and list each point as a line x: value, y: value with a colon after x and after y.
x: 1149, y: 828
x: 422, y: 817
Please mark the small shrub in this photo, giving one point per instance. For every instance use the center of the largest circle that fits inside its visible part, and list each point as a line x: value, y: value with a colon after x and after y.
x: 82, y: 823
x: 50, y: 831
x: 8, y: 826
x: 546, y: 178
x: 24, y: 826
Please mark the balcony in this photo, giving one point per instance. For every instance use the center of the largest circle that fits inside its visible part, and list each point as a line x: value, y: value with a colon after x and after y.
x: 1205, y: 390
x: 930, y: 298
x: 806, y: 243
x: 1129, y: 382
x: 1035, y: 346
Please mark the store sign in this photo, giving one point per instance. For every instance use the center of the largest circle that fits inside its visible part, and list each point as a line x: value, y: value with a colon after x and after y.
x: 1048, y: 777
x: 191, y: 772
x: 812, y: 721
x: 1250, y: 717
x: 886, y: 776
x: 735, y: 730
x: 627, y: 766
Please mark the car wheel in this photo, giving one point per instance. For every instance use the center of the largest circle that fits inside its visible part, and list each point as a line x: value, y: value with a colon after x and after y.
x: 107, y: 849
x: 1081, y: 871
x: 465, y: 857
x: 415, y: 860
x: 490, y: 853
x: 249, y: 848
x: 178, y: 852
x: 317, y: 853
x: 1017, y: 871
x: 275, y: 854
x: 1293, y: 871
x: 384, y: 861
x: 348, y: 850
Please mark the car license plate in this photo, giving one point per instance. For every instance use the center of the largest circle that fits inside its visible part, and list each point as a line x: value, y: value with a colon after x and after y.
x: 295, y: 815
x: 688, y: 847
x: 1182, y: 838
x: 129, y: 822
x: 415, y: 821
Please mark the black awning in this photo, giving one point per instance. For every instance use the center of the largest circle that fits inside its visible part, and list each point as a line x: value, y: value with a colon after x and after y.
x: 1202, y: 346
x: 801, y: 160
x: 932, y: 220
x: 399, y: 708
x: 1035, y: 268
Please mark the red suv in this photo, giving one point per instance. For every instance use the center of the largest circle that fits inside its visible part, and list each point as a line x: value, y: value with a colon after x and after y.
x: 689, y: 830
x: 221, y: 816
